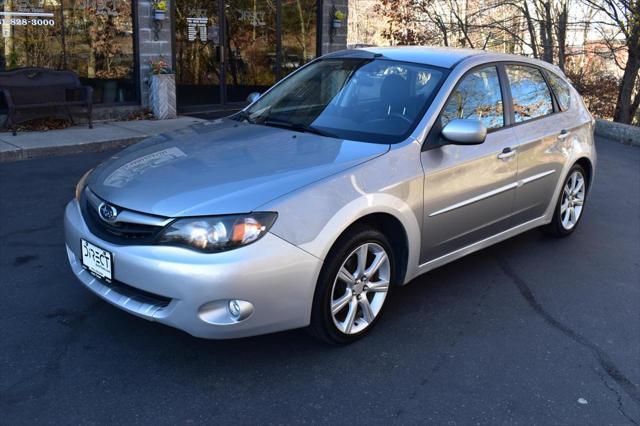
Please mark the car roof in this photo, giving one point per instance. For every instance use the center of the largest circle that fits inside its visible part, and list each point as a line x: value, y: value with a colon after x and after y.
x: 443, y: 57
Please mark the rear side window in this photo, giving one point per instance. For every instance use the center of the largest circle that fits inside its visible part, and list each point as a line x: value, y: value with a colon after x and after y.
x: 476, y: 97
x: 561, y: 90
x: 530, y: 93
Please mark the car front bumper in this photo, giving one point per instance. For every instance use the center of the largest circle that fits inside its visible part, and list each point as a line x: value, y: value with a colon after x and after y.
x: 190, y: 290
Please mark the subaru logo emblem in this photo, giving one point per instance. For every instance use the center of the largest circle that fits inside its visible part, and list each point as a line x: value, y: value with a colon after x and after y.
x: 107, y: 212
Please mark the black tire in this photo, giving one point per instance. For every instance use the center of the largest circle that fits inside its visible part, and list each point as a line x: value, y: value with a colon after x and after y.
x: 556, y: 228
x: 322, y: 325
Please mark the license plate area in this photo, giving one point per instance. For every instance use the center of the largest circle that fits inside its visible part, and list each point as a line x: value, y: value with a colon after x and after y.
x: 97, y: 261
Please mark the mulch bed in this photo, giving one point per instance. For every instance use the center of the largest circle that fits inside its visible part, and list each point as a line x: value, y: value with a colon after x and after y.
x: 41, y: 125
x: 45, y: 124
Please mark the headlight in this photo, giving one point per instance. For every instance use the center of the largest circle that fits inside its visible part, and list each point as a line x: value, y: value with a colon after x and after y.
x: 218, y: 233
x: 82, y: 183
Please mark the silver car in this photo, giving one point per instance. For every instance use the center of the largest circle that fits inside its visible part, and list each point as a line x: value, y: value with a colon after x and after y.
x: 346, y: 180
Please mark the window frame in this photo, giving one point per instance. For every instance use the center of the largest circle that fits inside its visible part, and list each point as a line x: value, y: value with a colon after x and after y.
x: 502, y: 97
x: 554, y: 103
x: 433, y: 137
x: 546, y: 73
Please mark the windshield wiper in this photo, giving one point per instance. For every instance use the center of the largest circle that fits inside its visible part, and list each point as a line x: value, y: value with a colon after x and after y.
x: 245, y: 115
x: 298, y: 127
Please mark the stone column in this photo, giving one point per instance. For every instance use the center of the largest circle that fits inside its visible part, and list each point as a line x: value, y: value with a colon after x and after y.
x: 333, y: 38
x: 148, y: 47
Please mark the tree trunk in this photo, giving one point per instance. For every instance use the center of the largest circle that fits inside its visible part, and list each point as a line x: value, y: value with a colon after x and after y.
x: 531, y: 29
x: 303, y: 32
x: 625, y: 106
x: 561, y: 35
x: 546, y: 32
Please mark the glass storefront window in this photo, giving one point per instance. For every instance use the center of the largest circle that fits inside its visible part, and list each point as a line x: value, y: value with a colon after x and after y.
x: 298, y: 34
x: 93, y: 38
x: 197, y: 52
x: 31, y: 34
x: 252, y: 51
x: 250, y: 46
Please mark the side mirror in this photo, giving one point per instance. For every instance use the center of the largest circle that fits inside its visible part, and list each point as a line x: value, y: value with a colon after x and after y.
x: 253, y: 96
x: 461, y: 131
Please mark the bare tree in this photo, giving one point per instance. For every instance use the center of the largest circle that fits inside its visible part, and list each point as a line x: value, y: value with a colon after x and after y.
x: 544, y: 29
x: 622, y: 25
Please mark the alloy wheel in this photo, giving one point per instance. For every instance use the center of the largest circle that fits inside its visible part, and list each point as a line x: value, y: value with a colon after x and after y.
x: 572, y: 200
x: 360, y: 288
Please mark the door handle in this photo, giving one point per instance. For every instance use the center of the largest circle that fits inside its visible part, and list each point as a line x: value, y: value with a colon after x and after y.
x: 563, y: 134
x: 507, y: 153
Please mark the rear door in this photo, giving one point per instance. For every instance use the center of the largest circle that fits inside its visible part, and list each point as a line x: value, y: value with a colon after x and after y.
x: 541, y: 134
x: 469, y: 189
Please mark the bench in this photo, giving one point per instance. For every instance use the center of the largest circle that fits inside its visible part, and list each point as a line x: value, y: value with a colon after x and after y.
x: 30, y: 93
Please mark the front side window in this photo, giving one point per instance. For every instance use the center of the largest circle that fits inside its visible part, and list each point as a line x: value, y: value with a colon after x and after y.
x: 561, y: 90
x: 476, y: 97
x: 530, y: 93
x: 370, y: 100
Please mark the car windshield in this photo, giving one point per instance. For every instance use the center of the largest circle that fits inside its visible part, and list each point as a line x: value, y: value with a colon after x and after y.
x: 370, y: 100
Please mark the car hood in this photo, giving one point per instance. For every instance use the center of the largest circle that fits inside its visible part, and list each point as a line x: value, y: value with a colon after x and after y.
x: 221, y: 167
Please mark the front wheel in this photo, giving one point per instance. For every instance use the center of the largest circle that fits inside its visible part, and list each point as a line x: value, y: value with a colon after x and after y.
x: 353, y: 286
x: 570, y: 204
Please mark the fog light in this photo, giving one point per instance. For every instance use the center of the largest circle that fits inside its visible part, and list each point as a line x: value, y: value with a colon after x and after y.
x: 234, y: 308
x: 225, y: 311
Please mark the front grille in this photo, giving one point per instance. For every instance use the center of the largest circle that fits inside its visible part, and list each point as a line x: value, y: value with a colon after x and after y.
x: 120, y: 232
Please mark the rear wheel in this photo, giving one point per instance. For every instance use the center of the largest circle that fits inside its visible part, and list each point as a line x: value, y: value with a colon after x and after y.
x: 570, y: 205
x: 353, y: 286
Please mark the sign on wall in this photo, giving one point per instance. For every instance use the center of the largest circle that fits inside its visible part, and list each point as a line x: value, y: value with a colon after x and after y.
x: 197, y: 26
x: 26, y: 12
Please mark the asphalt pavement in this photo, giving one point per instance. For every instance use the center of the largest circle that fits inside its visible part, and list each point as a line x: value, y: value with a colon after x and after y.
x: 531, y: 331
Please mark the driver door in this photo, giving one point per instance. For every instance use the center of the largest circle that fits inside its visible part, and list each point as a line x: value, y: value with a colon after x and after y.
x: 469, y: 190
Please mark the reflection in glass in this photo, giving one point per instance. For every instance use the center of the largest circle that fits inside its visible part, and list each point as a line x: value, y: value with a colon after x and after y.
x: 358, y: 99
x: 197, y: 52
x: 561, y: 89
x: 250, y: 47
x: 298, y: 34
x: 31, y: 41
x: 93, y: 38
x: 99, y: 47
x: 476, y: 97
x: 530, y: 93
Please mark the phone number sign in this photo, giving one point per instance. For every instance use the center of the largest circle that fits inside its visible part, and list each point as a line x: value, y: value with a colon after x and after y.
x: 39, y: 19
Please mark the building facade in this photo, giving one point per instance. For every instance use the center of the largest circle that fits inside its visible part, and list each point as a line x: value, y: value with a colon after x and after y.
x: 219, y: 50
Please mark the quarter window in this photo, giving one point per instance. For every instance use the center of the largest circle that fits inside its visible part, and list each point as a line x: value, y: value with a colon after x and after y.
x: 561, y: 90
x: 530, y: 93
x: 476, y: 97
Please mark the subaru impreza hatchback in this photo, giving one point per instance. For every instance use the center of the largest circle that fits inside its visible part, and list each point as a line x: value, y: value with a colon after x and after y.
x: 349, y: 178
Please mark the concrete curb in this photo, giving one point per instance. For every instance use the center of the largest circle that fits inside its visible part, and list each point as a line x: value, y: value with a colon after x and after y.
x: 55, y: 151
x: 80, y: 139
x: 619, y: 132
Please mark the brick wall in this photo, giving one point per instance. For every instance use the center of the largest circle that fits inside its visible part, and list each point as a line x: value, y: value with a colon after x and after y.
x: 148, y: 47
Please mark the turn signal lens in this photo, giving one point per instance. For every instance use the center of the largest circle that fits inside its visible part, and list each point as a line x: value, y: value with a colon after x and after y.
x: 82, y: 183
x: 218, y: 233
x: 247, y: 230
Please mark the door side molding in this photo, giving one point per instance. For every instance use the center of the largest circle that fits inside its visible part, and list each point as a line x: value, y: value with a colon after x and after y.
x: 492, y: 193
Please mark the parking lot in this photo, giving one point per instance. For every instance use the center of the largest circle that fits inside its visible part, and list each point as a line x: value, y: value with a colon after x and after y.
x: 531, y: 331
